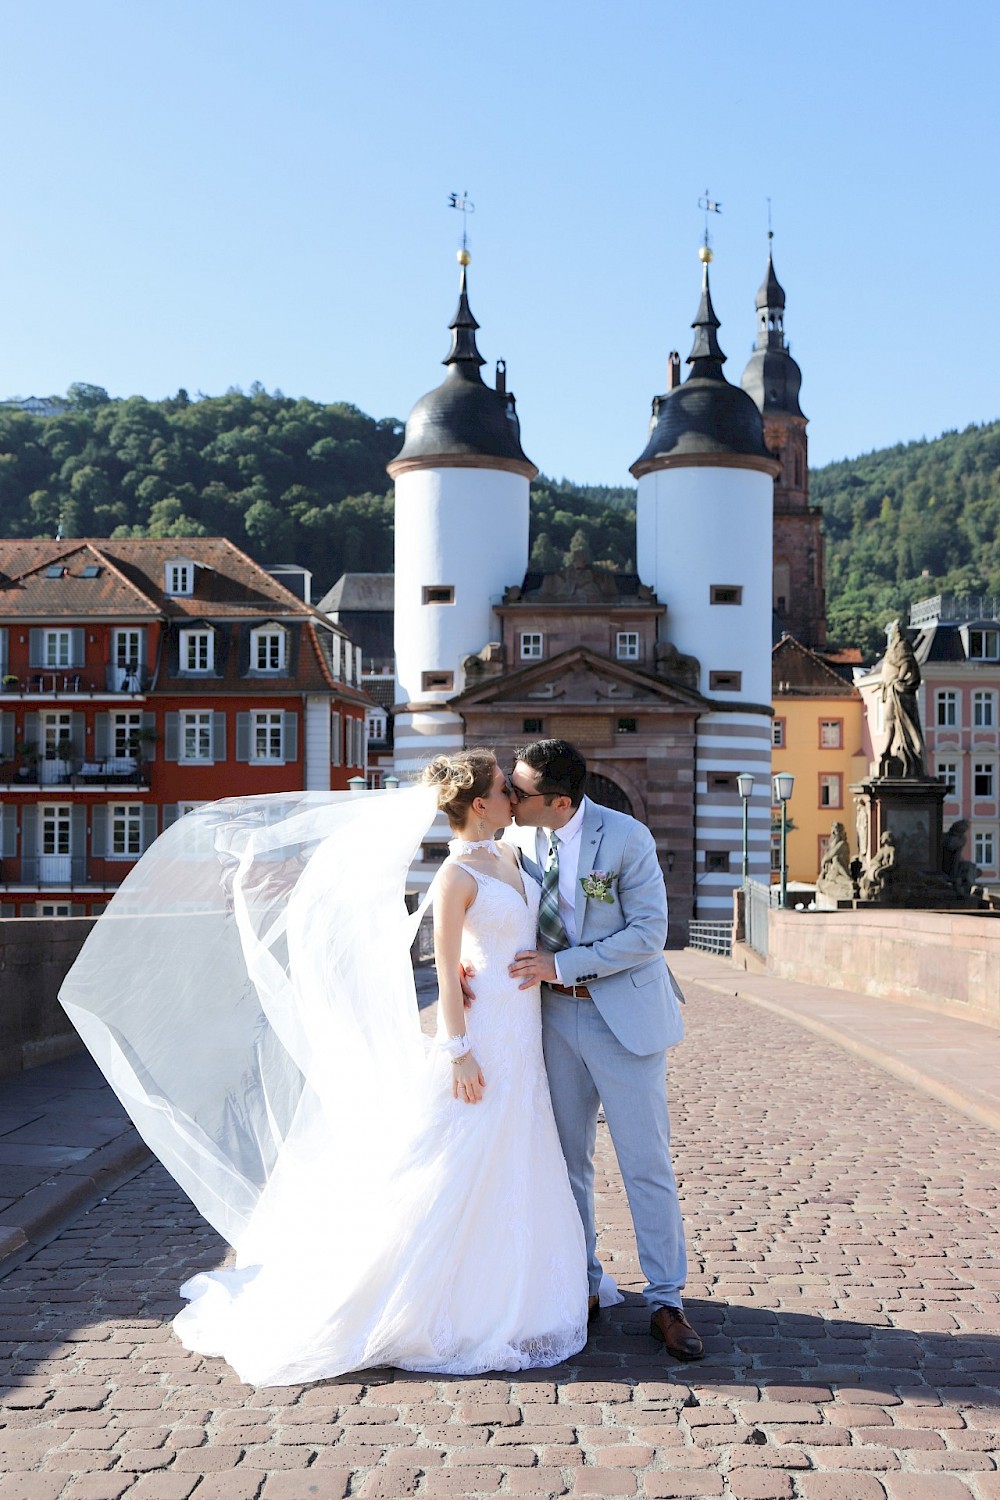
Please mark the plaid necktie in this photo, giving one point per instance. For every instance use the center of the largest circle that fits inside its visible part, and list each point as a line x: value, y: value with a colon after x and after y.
x: 552, y: 935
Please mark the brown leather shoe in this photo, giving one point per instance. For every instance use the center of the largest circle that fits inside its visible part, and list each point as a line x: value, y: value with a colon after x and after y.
x: 674, y: 1332
x: 593, y: 1307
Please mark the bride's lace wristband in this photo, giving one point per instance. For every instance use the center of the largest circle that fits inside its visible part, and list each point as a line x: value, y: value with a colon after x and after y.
x: 456, y: 1047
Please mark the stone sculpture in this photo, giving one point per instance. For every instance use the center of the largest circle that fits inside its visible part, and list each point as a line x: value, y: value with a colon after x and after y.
x: 834, y: 879
x: 900, y: 680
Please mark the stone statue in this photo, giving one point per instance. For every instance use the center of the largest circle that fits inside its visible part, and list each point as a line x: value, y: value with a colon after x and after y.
x: 900, y: 680
x: 877, y: 879
x: 834, y: 879
x: 861, y: 826
x: 962, y: 873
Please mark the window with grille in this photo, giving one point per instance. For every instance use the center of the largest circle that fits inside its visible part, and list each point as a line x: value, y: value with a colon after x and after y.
x: 983, y: 714
x: 531, y: 645
x: 266, y: 736
x: 267, y: 650
x: 627, y: 645
x: 948, y: 773
x: 196, y: 736
x: 831, y: 734
x: 984, y: 851
x: 947, y: 709
x: 58, y: 648
x: 982, y: 778
x: 831, y: 790
x: 197, y: 650
x: 778, y: 733
x: 125, y: 830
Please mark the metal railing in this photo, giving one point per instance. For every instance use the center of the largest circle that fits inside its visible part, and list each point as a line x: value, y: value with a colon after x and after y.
x: 711, y: 937
x: 758, y: 900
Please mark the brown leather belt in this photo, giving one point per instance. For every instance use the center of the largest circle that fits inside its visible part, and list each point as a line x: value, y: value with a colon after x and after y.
x: 574, y: 991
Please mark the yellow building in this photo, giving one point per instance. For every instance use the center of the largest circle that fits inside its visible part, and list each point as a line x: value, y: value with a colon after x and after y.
x: 818, y: 735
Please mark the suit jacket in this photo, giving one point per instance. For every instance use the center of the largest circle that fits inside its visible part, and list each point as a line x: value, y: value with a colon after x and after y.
x: 618, y: 954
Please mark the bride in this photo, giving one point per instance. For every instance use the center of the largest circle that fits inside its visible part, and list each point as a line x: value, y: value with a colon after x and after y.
x: 391, y: 1201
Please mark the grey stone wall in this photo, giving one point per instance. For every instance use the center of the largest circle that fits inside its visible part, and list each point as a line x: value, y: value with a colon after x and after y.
x: 35, y: 955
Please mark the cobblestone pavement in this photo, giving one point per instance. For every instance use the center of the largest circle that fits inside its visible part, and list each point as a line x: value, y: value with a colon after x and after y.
x: 844, y: 1272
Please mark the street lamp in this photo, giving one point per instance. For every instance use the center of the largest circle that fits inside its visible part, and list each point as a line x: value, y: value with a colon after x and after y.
x: 745, y: 783
x: 782, y: 790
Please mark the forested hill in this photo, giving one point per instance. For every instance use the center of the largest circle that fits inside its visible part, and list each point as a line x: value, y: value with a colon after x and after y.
x: 295, y: 481
x: 288, y: 480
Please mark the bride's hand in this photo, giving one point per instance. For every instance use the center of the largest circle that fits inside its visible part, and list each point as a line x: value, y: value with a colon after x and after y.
x: 467, y: 1081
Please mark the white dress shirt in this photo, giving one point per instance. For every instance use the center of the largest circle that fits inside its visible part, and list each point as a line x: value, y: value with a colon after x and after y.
x: 569, y: 859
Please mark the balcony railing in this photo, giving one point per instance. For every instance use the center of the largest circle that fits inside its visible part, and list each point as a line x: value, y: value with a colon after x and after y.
x: 116, y: 770
x: 53, y: 869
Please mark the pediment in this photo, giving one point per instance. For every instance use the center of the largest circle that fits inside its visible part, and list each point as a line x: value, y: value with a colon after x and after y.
x: 577, y: 678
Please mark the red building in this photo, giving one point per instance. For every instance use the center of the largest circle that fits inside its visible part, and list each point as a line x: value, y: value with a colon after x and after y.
x: 144, y: 676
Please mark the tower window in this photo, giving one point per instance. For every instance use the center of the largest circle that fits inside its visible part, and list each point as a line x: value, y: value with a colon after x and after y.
x: 725, y: 593
x: 725, y: 682
x: 532, y: 726
x: 627, y: 726
x: 717, y: 860
x: 531, y: 645
x: 436, y: 682
x: 721, y: 781
x: 438, y: 593
x: 627, y: 645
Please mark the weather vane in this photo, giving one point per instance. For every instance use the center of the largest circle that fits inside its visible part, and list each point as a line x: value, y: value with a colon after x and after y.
x: 711, y: 207
x: 462, y: 201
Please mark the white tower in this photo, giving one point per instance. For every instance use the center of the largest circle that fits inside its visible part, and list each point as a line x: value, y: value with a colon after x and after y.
x: 461, y: 537
x: 704, y: 544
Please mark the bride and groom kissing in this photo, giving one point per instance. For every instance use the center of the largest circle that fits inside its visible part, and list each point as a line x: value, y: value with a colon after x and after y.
x: 390, y: 1202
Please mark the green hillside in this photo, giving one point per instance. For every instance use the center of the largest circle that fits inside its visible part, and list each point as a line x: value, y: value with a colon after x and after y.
x: 293, y: 480
x: 905, y: 522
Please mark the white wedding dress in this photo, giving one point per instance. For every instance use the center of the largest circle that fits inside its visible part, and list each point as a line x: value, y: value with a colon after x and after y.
x: 253, y: 1006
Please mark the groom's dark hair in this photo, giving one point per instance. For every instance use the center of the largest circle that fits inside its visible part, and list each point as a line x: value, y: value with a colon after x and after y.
x: 562, y: 770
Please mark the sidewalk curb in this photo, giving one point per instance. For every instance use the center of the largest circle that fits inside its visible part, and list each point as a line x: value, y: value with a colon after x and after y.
x: 46, y: 1209
x: 982, y: 1113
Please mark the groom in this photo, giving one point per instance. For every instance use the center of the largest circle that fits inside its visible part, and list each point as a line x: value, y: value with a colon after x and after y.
x: 608, y: 1010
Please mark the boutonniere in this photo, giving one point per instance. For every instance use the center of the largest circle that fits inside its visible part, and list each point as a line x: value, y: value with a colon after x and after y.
x: 597, y: 885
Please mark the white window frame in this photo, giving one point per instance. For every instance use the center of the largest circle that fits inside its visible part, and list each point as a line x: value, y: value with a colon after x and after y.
x: 837, y: 726
x: 124, y: 724
x: 984, y: 847
x: 198, y: 720
x: 532, y: 645
x: 983, y: 644
x: 54, y: 909
x: 984, y: 709
x: 267, y: 727
x: 986, y: 769
x: 199, y: 645
x: 952, y: 769
x: 57, y: 649
x: 778, y: 727
x: 376, y: 726
x: 53, y: 726
x: 125, y: 828
x: 831, y: 782
x: 269, y: 642
x: 946, y: 714
x: 627, y: 643
x: 55, y: 827
x: 178, y: 578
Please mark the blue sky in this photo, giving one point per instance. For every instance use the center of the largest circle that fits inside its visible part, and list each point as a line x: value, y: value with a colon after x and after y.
x: 210, y: 192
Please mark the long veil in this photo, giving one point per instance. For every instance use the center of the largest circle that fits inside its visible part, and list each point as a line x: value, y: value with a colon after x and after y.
x: 252, y: 974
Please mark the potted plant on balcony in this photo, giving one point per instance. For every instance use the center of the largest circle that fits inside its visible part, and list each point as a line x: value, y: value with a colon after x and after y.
x: 10, y: 682
x: 138, y: 740
x: 61, y: 764
x: 27, y: 753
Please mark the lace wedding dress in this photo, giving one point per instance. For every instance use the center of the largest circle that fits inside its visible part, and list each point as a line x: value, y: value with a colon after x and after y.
x: 253, y: 1006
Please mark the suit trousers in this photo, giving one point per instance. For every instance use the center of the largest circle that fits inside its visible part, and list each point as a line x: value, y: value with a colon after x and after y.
x: 587, y: 1067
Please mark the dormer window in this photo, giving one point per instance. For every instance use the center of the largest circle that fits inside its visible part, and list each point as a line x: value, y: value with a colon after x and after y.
x: 197, y: 650
x: 178, y: 577
x: 981, y: 644
x: 268, y: 648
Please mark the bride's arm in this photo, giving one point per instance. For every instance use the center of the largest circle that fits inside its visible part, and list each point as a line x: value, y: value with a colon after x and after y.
x: 456, y: 893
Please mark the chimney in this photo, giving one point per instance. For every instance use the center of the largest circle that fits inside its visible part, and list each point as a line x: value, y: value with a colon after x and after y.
x: 673, y: 370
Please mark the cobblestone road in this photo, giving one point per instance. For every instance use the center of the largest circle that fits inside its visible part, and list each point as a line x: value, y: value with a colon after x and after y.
x: 844, y: 1272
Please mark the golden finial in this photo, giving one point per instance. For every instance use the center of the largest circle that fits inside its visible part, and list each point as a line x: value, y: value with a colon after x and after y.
x: 463, y: 257
x: 704, y: 254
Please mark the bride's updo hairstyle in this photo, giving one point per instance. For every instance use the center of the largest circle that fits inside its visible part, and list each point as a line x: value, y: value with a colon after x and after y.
x: 459, y: 780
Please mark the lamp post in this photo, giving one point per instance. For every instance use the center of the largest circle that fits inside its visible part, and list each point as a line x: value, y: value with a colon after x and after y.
x: 783, y: 783
x: 745, y: 783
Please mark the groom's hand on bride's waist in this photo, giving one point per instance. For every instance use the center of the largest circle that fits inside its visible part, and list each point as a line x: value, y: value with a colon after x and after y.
x: 465, y: 973
x: 532, y: 967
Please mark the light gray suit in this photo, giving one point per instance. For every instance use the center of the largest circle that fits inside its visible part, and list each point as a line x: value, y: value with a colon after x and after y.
x: 611, y: 1049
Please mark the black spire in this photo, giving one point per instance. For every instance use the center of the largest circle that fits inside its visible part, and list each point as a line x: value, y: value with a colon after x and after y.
x: 772, y: 377
x: 463, y: 421
x: 706, y: 358
x: 463, y: 351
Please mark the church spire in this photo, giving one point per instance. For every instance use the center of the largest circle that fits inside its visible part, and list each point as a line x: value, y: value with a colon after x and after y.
x: 770, y: 303
x: 463, y: 351
x: 706, y: 358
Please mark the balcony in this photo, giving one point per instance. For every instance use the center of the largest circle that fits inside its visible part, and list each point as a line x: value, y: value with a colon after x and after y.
x: 30, y: 775
x: 53, y: 869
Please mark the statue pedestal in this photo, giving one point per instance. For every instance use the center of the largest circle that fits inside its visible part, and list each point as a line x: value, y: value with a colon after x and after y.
x: 911, y: 810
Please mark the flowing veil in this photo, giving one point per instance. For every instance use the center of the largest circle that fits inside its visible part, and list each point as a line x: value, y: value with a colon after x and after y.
x: 250, y: 981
